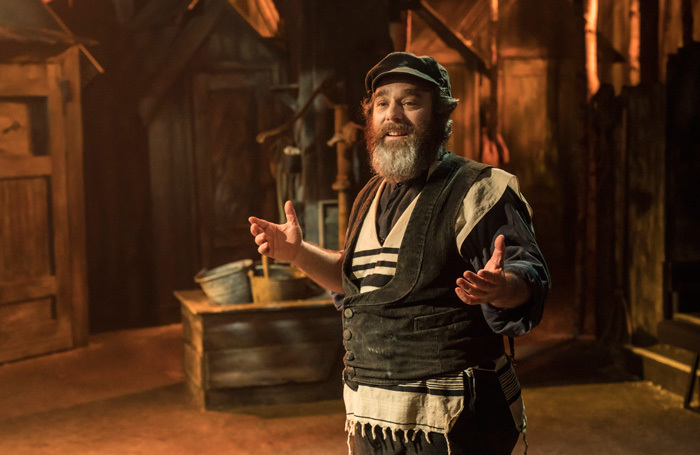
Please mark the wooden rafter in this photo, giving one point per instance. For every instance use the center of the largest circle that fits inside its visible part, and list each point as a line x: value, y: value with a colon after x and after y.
x: 190, y: 40
x: 450, y: 37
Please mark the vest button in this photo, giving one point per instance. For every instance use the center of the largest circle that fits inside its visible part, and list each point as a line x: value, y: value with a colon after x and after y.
x: 350, y: 356
x: 348, y: 313
x: 347, y: 334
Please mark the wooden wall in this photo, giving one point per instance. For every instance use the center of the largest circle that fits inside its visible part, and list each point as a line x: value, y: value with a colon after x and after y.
x: 208, y: 173
x: 173, y: 170
x: 646, y: 177
x: 118, y: 210
x: 331, y: 39
x: 150, y: 230
x: 541, y: 121
x: 682, y: 167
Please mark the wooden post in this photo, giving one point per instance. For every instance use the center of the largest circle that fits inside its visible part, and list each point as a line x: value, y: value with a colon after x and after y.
x: 590, y: 164
x: 342, y: 182
x: 592, y: 47
x: 492, y: 124
x: 649, y: 41
x: 687, y: 22
x: 580, y: 284
x: 633, y: 50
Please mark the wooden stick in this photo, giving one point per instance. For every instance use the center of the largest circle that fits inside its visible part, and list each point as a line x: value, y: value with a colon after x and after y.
x: 266, y: 267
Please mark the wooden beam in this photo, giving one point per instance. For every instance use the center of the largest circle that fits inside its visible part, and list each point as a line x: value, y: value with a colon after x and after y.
x: 187, y: 44
x: 477, y: 18
x: 591, y: 15
x: 74, y: 40
x: 493, y: 124
x: 633, y: 49
x: 75, y: 193
x: 450, y: 37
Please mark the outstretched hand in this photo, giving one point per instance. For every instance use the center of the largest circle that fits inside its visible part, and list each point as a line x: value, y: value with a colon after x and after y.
x: 488, y: 285
x: 278, y: 241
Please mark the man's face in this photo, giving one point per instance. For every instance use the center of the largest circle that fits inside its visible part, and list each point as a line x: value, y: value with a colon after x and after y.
x: 398, y: 136
x: 400, y: 103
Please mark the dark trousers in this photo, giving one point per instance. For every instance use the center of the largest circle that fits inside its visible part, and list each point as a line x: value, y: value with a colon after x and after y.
x: 487, y: 430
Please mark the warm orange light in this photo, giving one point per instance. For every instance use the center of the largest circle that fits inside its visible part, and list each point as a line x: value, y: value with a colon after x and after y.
x: 260, y: 14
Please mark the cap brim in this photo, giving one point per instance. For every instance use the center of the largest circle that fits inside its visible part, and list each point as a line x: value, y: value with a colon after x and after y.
x: 403, y: 71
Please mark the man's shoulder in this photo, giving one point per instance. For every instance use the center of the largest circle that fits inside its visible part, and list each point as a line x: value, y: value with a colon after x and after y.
x: 484, y: 171
x: 466, y: 163
x: 466, y: 170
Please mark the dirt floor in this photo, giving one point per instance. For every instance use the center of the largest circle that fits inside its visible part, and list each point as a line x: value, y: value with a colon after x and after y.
x: 125, y: 394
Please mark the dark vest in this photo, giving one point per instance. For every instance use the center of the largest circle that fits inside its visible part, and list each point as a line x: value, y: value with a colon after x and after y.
x: 415, y: 326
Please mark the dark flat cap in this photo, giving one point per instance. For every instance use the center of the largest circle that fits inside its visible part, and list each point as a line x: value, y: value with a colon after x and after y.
x: 404, y: 63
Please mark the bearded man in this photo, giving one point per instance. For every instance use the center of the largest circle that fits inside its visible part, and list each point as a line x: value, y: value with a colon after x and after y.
x: 440, y: 263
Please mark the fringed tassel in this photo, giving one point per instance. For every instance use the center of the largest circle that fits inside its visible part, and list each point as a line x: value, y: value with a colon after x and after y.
x: 350, y: 427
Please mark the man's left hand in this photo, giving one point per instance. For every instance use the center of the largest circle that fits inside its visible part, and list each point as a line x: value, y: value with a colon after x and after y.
x: 492, y: 284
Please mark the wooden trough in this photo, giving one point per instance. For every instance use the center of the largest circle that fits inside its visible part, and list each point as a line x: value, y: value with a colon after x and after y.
x: 260, y: 353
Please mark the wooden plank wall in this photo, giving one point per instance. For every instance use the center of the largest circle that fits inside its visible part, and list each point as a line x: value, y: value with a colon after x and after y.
x: 117, y: 197
x: 645, y: 112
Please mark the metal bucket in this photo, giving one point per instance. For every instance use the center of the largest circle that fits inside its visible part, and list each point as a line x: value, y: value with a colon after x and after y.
x: 227, y: 284
x: 283, y: 283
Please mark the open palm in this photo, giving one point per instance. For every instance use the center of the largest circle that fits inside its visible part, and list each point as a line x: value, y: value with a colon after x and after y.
x: 487, y: 285
x: 278, y: 241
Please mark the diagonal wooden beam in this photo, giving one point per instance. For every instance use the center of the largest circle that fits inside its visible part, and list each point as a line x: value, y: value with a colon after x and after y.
x: 450, y: 37
x: 91, y: 58
x: 185, y: 46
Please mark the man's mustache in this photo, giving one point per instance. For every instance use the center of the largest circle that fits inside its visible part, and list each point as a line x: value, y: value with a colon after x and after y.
x: 396, y: 128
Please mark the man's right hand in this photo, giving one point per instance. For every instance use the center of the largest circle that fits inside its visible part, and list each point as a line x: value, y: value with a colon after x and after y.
x: 278, y: 241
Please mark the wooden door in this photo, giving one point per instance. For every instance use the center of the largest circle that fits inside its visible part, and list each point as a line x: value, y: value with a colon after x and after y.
x: 42, y: 265
x: 234, y: 179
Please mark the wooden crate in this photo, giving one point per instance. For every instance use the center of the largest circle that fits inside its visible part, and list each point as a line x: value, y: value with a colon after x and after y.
x: 260, y: 353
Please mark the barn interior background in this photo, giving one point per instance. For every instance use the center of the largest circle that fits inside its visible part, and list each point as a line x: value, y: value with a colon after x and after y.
x: 137, y: 136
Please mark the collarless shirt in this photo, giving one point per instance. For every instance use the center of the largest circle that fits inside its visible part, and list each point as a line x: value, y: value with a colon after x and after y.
x: 394, y: 200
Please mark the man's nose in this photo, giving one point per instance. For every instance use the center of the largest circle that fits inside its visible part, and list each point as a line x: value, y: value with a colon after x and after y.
x: 394, y: 112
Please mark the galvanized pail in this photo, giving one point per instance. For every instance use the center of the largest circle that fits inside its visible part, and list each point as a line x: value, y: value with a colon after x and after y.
x: 227, y: 284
